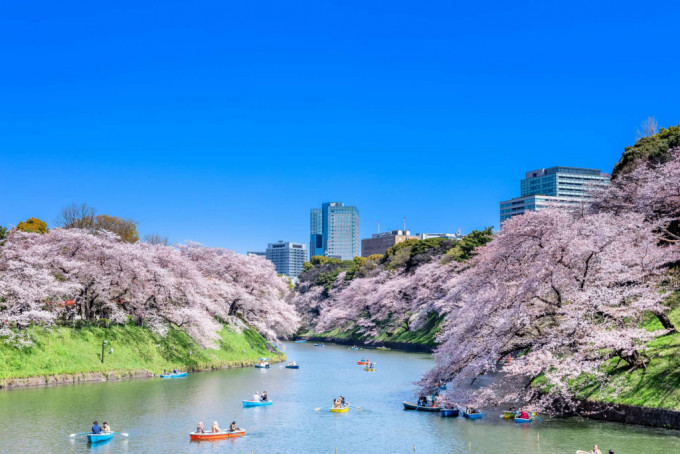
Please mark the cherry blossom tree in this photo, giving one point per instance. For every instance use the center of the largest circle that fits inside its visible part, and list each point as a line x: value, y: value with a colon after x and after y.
x: 191, y: 287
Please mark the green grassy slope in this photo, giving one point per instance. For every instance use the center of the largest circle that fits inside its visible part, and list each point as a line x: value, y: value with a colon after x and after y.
x: 658, y: 385
x: 61, y: 350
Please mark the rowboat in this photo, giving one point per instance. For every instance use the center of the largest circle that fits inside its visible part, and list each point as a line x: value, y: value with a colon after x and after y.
x: 369, y: 369
x: 257, y: 403
x: 292, y: 366
x: 363, y: 362
x: 449, y: 412
x: 383, y: 348
x: 343, y: 409
x: 217, y: 436
x: 178, y: 375
x: 474, y: 415
x: 262, y: 366
x: 98, y: 438
x: 523, y: 421
x: 301, y: 341
x: 412, y: 406
x: 319, y: 345
x: 354, y: 348
x: 509, y: 414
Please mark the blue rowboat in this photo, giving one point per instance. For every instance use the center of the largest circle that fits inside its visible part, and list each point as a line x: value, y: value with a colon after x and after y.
x: 319, y: 345
x: 474, y: 415
x: 262, y: 366
x: 449, y: 412
x: 98, y: 438
x: 523, y: 421
x: 257, y: 403
x: 301, y: 341
x: 180, y: 375
x: 289, y: 366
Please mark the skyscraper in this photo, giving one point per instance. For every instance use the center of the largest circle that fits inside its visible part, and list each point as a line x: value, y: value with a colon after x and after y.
x: 556, y: 186
x: 287, y: 257
x: 334, y: 231
x: 315, y: 232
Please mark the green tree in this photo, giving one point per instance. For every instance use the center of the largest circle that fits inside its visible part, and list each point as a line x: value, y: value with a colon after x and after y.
x: 33, y: 225
x: 126, y: 229
x: 654, y: 149
x: 3, y: 233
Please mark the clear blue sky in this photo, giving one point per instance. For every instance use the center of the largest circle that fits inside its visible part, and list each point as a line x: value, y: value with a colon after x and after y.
x: 224, y: 122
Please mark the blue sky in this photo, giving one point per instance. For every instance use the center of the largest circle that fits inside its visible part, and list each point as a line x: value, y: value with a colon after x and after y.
x: 224, y: 122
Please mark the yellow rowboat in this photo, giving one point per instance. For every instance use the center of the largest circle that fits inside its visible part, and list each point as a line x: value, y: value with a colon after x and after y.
x: 383, y: 348
x: 343, y: 409
x: 508, y: 414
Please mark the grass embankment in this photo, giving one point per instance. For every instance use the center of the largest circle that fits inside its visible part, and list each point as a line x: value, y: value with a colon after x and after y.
x: 424, y: 336
x: 62, y: 350
x: 657, y: 385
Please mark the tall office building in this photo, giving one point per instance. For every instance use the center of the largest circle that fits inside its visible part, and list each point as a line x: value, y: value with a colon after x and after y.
x: 334, y: 231
x: 556, y: 186
x: 315, y: 232
x: 287, y: 257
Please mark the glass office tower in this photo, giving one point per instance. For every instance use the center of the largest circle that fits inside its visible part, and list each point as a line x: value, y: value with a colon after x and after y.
x: 334, y: 231
x: 556, y: 186
x: 287, y: 257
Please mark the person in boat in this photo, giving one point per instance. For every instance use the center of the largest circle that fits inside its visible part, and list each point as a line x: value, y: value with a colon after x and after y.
x: 165, y: 372
x: 215, y: 428
x: 524, y: 415
x: 264, y: 396
x: 232, y: 427
x: 596, y: 450
x: 105, y: 427
x: 422, y: 401
x: 256, y: 397
x: 96, y: 428
x: 200, y: 428
x: 336, y: 403
x: 174, y: 371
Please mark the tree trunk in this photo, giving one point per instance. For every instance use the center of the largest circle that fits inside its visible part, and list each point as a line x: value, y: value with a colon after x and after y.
x: 665, y: 321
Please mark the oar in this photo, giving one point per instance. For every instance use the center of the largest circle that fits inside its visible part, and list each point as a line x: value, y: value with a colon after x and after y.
x: 121, y: 433
x: 317, y: 409
x: 538, y: 417
x: 81, y: 433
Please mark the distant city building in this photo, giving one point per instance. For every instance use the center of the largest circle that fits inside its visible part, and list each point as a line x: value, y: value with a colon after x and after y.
x: 256, y: 254
x: 556, y: 186
x: 334, y: 231
x: 287, y: 257
x: 379, y: 243
x: 451, y: 236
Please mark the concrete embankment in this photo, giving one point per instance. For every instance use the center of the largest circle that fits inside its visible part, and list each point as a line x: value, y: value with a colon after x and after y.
x: 88, y: 377
x: 628, y: 414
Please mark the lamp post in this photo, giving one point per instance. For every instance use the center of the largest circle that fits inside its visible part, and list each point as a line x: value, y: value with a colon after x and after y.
x: 103, y: 345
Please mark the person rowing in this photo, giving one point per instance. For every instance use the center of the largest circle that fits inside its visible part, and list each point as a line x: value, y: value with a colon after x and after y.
x: 96, y: 428
x: 200, y: 429
x: 264, y: 396
x: 232, y: 427
x: 106, y: 428
x: 524, y: 415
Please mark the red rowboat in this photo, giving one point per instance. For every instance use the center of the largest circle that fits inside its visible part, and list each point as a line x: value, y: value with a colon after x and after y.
x: 218, y: 435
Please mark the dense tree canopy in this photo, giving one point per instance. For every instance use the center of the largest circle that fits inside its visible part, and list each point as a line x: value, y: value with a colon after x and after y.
x: 653, y: 149
x: 33, y: 225
x: 71, y: 273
